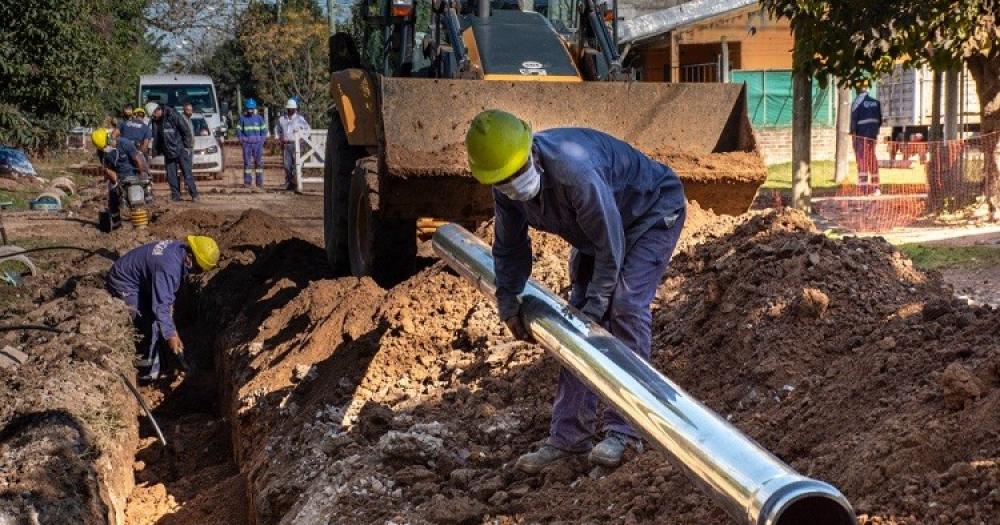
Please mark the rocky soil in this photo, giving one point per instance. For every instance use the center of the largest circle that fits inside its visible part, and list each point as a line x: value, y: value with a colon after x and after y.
x: 409, y: 405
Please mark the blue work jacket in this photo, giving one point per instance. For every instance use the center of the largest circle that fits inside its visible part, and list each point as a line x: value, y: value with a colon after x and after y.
x: 119, y: 158
x: 599, y: 194
x: 866, y: 116
x: 251, y: 129
x: 135, y: 130
x: 153, y: 272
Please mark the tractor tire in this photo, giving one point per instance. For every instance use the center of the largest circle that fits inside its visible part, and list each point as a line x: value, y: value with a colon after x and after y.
x: 340, y: 159
x: 384, y: 249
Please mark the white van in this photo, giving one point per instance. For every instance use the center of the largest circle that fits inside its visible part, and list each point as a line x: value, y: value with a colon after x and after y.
x: 175, y: 90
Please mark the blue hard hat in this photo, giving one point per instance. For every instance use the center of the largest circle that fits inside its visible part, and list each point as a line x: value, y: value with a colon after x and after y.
x: 251, y: 104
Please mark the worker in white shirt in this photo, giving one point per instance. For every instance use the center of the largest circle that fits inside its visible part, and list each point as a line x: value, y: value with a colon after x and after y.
x: 291, y: 127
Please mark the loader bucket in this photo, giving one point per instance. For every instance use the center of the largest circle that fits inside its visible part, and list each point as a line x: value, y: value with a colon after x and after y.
x: 699, y: 130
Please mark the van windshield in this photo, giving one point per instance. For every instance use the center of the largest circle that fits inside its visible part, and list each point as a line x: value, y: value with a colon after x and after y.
x: 201, y: 96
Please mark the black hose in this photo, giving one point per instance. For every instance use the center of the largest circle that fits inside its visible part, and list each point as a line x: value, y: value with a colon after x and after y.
x: 12, y: 327
x: 47, y: 248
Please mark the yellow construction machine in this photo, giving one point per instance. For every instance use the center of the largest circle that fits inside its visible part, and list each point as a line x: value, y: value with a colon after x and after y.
x: 395, y: 150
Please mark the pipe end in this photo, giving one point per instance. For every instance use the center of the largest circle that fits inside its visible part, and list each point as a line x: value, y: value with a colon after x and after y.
x: 807, y: 502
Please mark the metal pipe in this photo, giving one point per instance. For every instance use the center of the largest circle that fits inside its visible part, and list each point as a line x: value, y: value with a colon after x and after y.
x: 484, y: 9
x: 751, y: 484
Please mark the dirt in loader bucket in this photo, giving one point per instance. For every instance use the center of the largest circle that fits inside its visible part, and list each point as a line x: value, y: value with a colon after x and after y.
x: 700, y: 130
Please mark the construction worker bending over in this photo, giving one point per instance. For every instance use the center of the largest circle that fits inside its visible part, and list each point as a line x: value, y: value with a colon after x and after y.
x: 172, y: 138
x: 119, y: 159
x: 622, y: 213
x: 290, y: 126
x: 866, y: 119
x: 252, y: 132
x: 147, y: 279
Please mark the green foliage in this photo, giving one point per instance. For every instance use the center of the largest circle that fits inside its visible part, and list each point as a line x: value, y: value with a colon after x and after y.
x: 852, y: 39
x: 229, y: 69
x: 289, y: 58
x: 930, y: 257
x: 67, y: 62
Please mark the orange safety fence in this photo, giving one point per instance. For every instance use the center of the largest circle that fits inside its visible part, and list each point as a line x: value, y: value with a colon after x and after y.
x: 919, y: 184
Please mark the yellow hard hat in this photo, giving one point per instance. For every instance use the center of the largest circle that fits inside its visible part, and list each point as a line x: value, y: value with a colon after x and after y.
x: 139, y: 111
x: 206, y: 252
x: 99, y: 137
x: 498, y: 145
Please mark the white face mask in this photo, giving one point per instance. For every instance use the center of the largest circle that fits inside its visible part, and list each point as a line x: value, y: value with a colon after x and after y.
x: 523, y: 187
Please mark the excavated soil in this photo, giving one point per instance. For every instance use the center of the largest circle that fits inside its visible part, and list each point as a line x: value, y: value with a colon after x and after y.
x: 410, y: 405
x: 68, y: 426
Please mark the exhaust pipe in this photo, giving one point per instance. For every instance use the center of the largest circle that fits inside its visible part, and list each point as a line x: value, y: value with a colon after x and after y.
x: 750, y: 483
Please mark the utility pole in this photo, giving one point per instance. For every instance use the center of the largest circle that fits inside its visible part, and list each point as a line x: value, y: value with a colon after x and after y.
x: 801, y: 133
x: 843, y: 134
x: 331, y: 14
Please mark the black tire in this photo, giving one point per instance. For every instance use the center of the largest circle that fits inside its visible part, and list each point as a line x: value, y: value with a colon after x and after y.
x: 384, y: 249
x: 339, y: 161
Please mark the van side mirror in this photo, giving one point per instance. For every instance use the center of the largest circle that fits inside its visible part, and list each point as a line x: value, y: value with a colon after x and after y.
x: 224, y: 107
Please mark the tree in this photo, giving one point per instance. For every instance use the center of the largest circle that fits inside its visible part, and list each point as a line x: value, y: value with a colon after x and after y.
x: 289, y: 58
x: 854, y: 39
x: 65, y: 63
x: 229, y: 69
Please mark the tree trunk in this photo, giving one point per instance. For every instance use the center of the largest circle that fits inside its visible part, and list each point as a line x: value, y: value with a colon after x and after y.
x: 801, y: 136
x: 843, y: 134
x: 986, y: 73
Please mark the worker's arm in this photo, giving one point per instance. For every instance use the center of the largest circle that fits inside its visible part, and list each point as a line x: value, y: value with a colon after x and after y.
x: 241, y: 130
x: 597, y: 215
x: 165, y: 284
x: 511, y: 254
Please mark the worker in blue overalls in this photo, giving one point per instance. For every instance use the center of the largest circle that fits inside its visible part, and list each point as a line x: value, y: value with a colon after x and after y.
x: 147, y: 279
x: 252, y: 132
x: 621, y: 211
x: 866, y: 119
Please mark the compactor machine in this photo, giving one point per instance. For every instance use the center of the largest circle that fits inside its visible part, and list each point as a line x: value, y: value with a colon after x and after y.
x: 395, y: 159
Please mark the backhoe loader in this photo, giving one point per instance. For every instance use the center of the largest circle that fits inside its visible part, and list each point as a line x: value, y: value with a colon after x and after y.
x: 395, y: 152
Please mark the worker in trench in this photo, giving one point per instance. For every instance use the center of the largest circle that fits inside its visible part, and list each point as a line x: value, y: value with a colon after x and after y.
x: 621, y: 211
x: 147, y: 279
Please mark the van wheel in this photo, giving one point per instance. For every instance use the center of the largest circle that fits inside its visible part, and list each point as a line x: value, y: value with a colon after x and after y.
x: 382, y: 248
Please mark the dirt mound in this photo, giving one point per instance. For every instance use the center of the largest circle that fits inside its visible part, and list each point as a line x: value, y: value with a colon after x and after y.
x: 410, y: 405
x: 254, y: 228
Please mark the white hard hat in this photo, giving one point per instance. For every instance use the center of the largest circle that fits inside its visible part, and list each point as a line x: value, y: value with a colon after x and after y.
x: 291, y: 104
x: 150, y: 108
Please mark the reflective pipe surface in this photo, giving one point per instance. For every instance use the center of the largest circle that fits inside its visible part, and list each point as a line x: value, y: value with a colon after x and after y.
x: 750, y: 483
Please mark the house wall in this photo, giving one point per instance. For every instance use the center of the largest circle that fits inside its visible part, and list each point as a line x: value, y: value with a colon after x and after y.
x: 756, y: 43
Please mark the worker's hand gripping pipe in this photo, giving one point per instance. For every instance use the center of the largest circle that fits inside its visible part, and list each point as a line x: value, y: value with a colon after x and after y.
x: 751, y: 484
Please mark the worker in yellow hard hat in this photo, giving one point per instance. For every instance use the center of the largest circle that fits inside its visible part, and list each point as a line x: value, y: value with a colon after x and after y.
x: 620, y: 210
x: 147, y: 279
x: 120, y: 158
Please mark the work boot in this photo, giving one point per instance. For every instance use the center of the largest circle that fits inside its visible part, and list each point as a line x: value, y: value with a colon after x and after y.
x: 534, y: 462
x: 608, y: 453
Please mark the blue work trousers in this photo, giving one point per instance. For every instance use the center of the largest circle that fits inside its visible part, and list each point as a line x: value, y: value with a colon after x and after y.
x: 290, y: 163
x: 628, y: 318
x: 253, y: 158
x: 149, y: 347
x: 184, y: 163
x: 114, y: 202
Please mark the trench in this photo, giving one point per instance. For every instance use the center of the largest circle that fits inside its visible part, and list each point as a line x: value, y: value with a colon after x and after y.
x: 194, y: 479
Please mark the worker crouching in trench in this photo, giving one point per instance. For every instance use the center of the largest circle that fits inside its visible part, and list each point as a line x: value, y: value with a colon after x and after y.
x: 621, y: 211
x: 147, y: 279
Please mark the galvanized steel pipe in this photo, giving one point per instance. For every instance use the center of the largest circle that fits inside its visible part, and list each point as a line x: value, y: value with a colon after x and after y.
x: 750, y: 483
